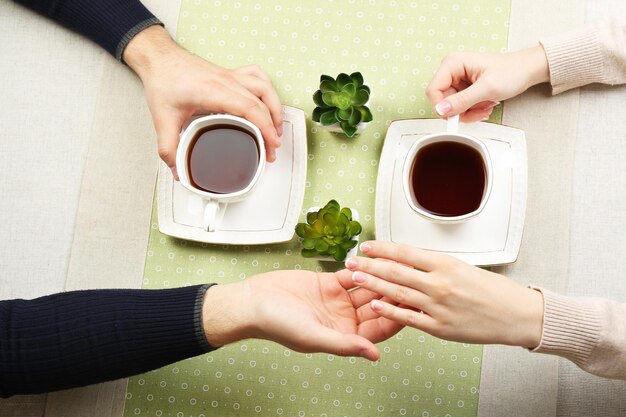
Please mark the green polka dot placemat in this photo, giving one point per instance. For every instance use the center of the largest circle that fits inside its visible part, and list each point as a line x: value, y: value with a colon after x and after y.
x: 397, y: 46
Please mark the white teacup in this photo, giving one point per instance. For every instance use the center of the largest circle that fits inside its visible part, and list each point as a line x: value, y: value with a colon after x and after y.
x: 478, y: 195
x: 210, y: 203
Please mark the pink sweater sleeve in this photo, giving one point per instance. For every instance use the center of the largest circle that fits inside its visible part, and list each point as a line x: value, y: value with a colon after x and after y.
x: 594, y: 54
x: 591, y: 332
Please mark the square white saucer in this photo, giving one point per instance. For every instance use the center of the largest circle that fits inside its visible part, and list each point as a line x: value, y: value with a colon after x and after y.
x: 268, y: 215
x: 493, y: 236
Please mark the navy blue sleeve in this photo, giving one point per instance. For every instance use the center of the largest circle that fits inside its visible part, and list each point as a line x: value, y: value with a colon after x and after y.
x: 109, y: 23
x: 79, y: 338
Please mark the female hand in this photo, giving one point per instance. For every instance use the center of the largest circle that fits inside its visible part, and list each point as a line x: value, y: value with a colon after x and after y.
x: 448, y: 298
x: 302, y: 310
x: 179, y: 84
x: 472, y: 84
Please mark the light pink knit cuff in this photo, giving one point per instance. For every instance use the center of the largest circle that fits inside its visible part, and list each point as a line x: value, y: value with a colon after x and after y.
x: 575, y: 59
x: 571, y: 327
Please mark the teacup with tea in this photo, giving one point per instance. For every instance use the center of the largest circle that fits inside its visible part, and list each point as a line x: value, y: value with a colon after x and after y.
x: 220, y: 159
x: 447, y: 176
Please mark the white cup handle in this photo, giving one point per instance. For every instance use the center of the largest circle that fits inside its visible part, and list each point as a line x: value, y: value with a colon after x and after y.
x: 211, y: 211
x: 453, y: 124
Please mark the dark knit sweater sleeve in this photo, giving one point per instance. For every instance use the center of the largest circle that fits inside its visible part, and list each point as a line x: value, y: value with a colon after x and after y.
x: 83, y: 337
x: 109, y: 23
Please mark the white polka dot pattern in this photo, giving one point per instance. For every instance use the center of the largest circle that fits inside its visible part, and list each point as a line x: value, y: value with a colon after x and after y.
x: 397, y: 46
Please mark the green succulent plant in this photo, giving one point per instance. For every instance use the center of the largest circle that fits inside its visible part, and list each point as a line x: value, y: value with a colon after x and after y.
x: 328, y: 232
x: 342, y: 101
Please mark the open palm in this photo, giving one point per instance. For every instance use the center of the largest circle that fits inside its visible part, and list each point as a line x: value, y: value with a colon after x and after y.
x: 316, y: 312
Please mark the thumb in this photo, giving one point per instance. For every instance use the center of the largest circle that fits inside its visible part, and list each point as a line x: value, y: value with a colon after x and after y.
x: 458, y: 103
x: 168, y: 136
x: 332, y: 341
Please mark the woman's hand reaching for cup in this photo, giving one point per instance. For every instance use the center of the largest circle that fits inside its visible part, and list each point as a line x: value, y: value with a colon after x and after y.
x: 179, y: 84
x: 472, y: 84
x: 448, y: 298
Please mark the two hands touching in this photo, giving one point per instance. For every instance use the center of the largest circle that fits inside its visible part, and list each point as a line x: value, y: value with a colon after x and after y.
x: 446, y: 297
x: 302, y: 310
x: 345, y: 313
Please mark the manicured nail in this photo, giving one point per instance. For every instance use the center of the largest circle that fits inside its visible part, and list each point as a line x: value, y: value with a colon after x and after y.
x: 351, y: 263
x: 376, y: 305
x: 358, y: 277
x: 442, y: 108
x: 365, y: 247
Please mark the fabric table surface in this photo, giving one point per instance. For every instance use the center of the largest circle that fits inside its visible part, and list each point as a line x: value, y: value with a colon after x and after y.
x: 397, y: 46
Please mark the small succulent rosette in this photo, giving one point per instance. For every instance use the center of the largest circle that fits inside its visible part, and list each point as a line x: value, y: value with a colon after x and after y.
x: 330, y: 233
x: 341, y: 103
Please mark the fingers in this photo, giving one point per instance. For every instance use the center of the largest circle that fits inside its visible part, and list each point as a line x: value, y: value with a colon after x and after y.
x: 418, y: 258
x: 255, y: 80
x: 479, y: 112
x: 388, y: 287
x: 331, y: 341
x: 457, y: 86
x: 362, y: 296
x: 239, y: 101
x: 344, y: 277
x: 404, y: 316
x: 365, y: 312
x: 168, y: 136
x: 440, y: 83
x: 461, y: 101
x: 253, y: 70
x: 379, y: 329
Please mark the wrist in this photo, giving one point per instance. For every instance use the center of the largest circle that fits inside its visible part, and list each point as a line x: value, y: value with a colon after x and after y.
x: 530, y: 320
x: 147, y: 48
x: 225, y: 314
x: 537, y: 62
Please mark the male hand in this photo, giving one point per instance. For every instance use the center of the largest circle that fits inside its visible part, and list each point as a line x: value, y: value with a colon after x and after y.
x: 448, y: 298
x: 179, y: 84
x: 302, y: 310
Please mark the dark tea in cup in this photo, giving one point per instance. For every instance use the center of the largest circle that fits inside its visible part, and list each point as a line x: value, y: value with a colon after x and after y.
x: 222, y: 159
x: 448, y: 178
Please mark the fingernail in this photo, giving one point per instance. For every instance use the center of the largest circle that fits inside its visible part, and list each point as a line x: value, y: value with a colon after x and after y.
x: 279, y: 131
x: 358, y: 277
x: 365, y: 247
x: 484, y: 118
x: 442, y: 108
x: 376, y: 305
x: 491, y: 106
x: 351, y: 263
